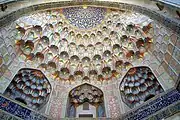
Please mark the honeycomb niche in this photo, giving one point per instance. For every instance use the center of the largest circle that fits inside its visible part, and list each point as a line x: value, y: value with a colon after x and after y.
x: 138, y: 86
x: 76, y: 44
x: 29, y: 87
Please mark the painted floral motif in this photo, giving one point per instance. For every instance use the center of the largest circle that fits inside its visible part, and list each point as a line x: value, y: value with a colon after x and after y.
x: 113, y: 106
x: 56, y: 108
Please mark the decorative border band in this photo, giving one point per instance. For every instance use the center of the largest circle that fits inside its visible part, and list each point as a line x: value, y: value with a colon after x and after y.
x: 19, y: 111
x: 148, y: 109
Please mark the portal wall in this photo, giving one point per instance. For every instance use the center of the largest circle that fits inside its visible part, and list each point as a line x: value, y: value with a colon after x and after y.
x: 163, y: 59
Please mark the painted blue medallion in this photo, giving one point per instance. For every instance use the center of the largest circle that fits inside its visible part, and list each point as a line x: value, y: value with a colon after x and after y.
x: 84, y: 18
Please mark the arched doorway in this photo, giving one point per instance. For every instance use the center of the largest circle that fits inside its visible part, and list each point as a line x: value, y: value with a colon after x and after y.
x: 85, y: 101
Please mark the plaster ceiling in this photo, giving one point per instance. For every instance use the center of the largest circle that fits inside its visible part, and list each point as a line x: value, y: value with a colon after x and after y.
x: 84, y: 43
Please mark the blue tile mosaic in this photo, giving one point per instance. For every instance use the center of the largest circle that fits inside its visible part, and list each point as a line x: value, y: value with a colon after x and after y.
x: 165, y: 113
x: 153, y: 106
x: 19, y: 111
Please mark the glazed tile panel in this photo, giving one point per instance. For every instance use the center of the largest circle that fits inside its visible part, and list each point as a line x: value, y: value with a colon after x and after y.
x: 19, y: 111
x: 165, y: 113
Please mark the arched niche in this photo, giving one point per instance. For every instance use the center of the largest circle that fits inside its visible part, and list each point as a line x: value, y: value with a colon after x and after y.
x: 85, y: 101
x: 138, y: 86
x: 29, y: 87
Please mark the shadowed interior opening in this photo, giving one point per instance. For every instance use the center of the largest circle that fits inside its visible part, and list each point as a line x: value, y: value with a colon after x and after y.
x: 21, y: 100
x: 148, y: 97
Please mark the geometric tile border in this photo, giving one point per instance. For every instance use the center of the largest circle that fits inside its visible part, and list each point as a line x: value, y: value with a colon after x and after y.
x: 154, y: 106
x: 165, y: 113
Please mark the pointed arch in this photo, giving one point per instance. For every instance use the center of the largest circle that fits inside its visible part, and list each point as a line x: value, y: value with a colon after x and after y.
x: 83, y: 98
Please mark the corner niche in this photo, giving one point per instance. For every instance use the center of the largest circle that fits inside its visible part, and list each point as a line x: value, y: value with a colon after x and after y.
x: 138, y: 86
x: 29, y: 87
